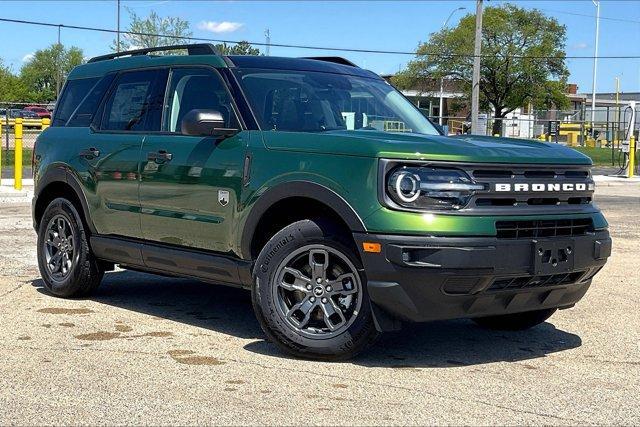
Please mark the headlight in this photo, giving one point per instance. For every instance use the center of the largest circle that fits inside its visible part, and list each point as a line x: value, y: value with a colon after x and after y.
x: 428, y: 188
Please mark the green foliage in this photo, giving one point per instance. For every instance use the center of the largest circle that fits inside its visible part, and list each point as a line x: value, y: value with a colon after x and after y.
x: 241, y: 48
x: 523, y: 59
x: 47, y: 69
x: 12, y: 88
x: 171, y: 28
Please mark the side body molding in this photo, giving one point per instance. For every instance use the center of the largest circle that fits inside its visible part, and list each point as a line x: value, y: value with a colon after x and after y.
x: 289, y: 189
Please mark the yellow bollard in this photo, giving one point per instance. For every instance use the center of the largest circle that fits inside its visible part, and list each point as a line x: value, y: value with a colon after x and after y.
x: 632, y: 157
x: 497, y: 135
x: 17, y: 129
x: 45, y: 123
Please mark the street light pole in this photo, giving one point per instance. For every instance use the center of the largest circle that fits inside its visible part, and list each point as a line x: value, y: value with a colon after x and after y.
x: 118, y: 31
x: 475, y: 88
x: 442, y: 78
x: 596, y: 3
x: 267, y: 37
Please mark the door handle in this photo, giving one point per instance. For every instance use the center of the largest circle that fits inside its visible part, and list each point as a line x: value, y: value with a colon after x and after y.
x: 160, y: 156
x: 90, y: 153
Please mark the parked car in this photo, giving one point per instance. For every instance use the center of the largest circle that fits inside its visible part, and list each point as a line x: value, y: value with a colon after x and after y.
x: 42, y: 112
x: 314, y: 184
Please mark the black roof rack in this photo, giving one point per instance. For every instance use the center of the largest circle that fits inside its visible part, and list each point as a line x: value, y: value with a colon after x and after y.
x: 334, y: 59
x: 192, y: 49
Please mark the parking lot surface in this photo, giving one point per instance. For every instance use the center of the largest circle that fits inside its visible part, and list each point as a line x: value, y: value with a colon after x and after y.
x: 154, y: 350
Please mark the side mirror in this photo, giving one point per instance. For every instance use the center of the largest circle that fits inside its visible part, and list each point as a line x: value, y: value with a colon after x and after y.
x: 205, y: 123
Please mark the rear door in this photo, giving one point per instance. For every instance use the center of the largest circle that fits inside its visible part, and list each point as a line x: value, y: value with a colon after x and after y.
x: 130, y: 111
x: 190, y: 185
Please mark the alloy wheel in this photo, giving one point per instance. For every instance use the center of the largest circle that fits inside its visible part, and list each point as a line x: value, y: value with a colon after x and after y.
x: 59, y: 248
x: 318, y: 291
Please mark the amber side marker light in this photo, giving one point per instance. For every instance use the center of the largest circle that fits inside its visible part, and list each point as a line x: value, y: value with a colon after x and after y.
x: 375, y: 248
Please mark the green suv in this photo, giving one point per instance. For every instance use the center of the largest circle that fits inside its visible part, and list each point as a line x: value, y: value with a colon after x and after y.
x: 316, y: 185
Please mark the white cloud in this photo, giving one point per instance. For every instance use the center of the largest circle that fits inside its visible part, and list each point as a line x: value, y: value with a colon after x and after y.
x: 220, y: 27
x: 580, y: 45
x: 28, y: 57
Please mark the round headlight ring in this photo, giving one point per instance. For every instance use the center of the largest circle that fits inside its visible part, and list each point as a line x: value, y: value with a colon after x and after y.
x: 413, y: 180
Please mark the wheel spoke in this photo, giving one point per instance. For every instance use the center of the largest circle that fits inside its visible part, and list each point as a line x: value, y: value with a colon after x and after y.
x: 306, y: 308
x: 56, y: 262
x: 319, y: 262
x: 333, y: 316
x: 345, y: 284
x: 300, y: 281
x: 61, y: 226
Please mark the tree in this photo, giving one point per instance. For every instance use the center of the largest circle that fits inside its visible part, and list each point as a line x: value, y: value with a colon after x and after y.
x: 240, y: 48
x: 172, y: 31
x: 47, y: 70
x: 523, y: 60
x: 12, y: 88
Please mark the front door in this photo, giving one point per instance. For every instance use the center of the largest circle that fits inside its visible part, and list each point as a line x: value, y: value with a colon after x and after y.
x: 190, y: 185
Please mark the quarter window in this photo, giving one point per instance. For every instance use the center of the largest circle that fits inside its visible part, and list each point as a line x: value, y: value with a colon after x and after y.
x: 73, y: 94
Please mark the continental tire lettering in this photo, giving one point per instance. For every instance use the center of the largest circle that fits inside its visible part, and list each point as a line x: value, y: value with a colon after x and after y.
x: 273, y: 250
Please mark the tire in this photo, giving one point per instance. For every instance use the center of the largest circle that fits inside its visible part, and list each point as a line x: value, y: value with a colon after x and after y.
x: 62, y: 231
x: 515, y: 322
x: 333, y: 320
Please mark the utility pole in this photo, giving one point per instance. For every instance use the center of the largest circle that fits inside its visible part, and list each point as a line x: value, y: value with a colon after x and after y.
x: 596, y: 3
x: 58, y: 64
x: 267, y: 36
x: 118, y: 29
x: 441, y: 106
x: 475, y: 90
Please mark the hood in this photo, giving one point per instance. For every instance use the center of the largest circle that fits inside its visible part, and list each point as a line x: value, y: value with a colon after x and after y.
x: 463, y: 148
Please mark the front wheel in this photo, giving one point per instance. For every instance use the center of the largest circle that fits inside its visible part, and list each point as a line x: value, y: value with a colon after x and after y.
x: 516, y: 321
x: 310, y: 294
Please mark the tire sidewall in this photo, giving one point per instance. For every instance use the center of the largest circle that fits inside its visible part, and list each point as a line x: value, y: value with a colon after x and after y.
x: 73, y: 282
x: 291, y: 238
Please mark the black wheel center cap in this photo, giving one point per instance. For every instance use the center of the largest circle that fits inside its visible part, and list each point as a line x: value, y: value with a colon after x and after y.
x: 318, y: 290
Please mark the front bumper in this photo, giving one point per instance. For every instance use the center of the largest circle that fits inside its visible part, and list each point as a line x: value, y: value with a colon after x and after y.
x: 419, y: 278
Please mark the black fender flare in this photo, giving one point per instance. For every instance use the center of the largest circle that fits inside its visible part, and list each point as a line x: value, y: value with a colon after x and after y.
x: 289, y: 189
x: 64, y: 175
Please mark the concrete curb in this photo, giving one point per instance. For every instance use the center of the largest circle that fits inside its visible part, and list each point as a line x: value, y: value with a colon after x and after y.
x: 614, y: 181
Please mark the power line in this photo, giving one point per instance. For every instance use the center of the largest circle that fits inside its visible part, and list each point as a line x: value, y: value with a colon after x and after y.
x: 294, y: 46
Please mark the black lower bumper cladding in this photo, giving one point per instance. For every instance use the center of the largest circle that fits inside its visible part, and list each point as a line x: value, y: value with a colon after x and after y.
x: 418, y: 278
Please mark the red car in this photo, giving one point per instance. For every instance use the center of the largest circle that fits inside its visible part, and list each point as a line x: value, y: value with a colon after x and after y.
x: 42, y: 112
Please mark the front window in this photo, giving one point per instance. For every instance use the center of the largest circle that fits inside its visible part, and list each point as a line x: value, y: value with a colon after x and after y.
x: 306, y: 101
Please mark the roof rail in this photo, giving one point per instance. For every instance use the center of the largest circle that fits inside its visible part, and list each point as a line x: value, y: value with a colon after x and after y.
x: 192, y: 49
x: 334, y: 59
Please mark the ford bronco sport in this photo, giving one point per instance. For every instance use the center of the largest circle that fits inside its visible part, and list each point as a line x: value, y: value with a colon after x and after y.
x: 316, y: 185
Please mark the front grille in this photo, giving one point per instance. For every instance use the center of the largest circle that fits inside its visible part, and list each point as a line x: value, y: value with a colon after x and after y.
x: 522, y: 282
x: 523, y: 188
x: 543, y: 228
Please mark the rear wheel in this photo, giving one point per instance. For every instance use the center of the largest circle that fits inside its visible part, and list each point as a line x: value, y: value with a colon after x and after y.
x: 516, y: 321
x: 309, y: 293
x: 67, y: 265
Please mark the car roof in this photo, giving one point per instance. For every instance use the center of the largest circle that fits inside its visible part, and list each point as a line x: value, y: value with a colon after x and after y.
x: 328, y: 65
x: 204, y: 54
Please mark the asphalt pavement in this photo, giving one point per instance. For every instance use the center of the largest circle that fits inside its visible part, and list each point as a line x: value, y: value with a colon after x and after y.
x: 155, y: 350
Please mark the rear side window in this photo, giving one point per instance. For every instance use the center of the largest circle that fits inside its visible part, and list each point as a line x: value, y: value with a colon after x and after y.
x: 74, y: 92
x: 85, y: 112
x: 135, y: 102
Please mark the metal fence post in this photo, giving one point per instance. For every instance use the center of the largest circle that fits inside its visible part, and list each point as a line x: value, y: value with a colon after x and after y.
x: 17, y: 183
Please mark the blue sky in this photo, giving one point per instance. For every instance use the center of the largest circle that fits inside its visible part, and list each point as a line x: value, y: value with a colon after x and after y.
x: 385, y: 25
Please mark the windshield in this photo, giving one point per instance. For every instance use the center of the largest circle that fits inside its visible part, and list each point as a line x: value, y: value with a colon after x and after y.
x: 307, y: 101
